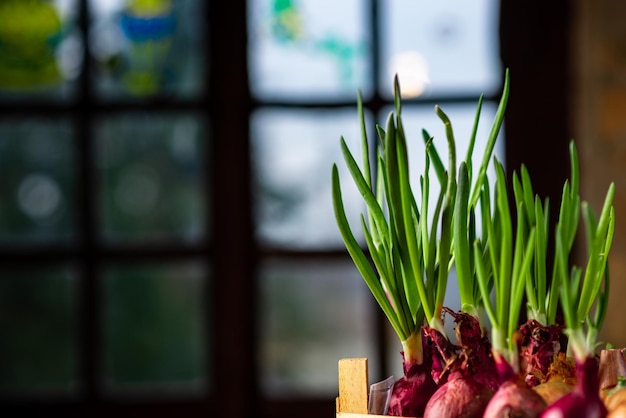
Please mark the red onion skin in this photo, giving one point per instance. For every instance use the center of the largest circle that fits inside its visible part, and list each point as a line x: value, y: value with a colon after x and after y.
x: 412, y: 391
x: 477, y: 348
x: 584, y: 400
x: 442, y: 353
x: 461, y: 397
x: 516, y: 399
x: 539, y: 345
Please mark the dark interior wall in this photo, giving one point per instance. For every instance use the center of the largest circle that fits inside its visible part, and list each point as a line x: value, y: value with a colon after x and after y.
x: 534, y: 39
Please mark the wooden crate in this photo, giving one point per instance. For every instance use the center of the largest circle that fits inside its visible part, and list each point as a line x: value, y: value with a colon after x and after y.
x: 353, y: 389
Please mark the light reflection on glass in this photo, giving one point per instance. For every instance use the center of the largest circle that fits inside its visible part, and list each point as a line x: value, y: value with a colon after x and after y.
x: 38, y: 190
x: 39, y: 196
x: 458, y: 41
x: 138, y: 190
x: 412, y: 71
x: 150, y: 174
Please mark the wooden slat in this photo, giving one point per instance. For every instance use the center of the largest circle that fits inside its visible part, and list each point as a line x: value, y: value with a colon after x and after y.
x: 352, y: 386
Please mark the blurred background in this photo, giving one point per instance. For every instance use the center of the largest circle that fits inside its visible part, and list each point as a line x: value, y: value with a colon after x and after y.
x: 167, y: 240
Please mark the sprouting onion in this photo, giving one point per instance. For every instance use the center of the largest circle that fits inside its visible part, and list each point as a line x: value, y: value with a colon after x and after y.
x: 466, y: 192
x: 580, y: 293
x: 387, y: 286
x: 537, y: 215
x: 542, y: 335
x: 393, y: 231
x: 506, y: 260
x: 466, y: 371
x: 566, y: 230
x: 410, y: 246
x: 412, y: 243
x: 437, y: 249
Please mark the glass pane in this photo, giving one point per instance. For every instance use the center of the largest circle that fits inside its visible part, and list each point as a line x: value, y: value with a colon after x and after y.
x: 38, y: 354
x: 300, y: 51
x: 394, y: 357
x: 38, y: 188
x: 151, y: 178
x: 155, y: 328
x: 448, y: 47
x: 293, y: 152
x: 311, y: 315
x: 147, y: 48
x: 40, y: 49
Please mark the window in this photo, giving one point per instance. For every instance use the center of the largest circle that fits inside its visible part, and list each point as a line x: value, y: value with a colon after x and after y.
x: 106, y: 260
x: 166, y: 229
x: 306, y: 66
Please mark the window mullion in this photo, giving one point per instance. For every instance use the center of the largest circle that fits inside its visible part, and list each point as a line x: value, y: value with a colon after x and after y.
x: 89, y: 302
x: 233, y: 266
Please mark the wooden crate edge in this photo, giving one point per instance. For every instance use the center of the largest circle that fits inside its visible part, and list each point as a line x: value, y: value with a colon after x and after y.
x: 353, y: 386
x: 354, y: 369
